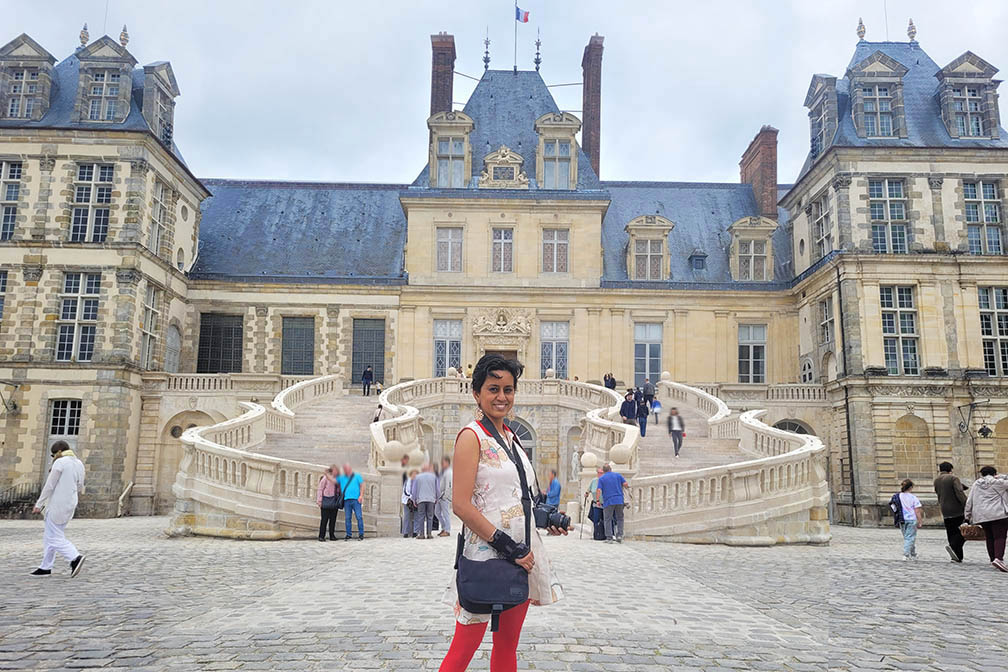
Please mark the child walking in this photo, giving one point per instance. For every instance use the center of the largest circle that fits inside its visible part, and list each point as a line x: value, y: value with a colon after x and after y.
x: 913, y: 514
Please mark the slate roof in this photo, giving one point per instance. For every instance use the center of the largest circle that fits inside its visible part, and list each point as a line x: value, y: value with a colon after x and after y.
x: 63, y: 95
x: 504, y: 107
x: 302, y: 231
x: 702, y: 213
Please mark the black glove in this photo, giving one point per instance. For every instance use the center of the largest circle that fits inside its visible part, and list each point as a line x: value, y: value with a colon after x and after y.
x: 508, y: 547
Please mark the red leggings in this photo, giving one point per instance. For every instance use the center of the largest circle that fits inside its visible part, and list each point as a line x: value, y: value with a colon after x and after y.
x: 503, y: 656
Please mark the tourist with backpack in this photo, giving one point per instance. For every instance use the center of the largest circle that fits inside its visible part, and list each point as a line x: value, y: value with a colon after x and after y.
x: 908, y: 514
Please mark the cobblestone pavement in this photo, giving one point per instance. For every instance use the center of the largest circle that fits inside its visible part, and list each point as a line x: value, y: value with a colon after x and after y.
x: 145, y: 602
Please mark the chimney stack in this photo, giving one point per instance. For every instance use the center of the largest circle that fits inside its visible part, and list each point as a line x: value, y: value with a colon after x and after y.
x: 442, y: 72
x: 758, y: 167
x: 591, y: 102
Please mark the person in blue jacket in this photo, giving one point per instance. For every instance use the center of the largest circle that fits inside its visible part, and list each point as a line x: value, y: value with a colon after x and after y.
x: 553, y: 493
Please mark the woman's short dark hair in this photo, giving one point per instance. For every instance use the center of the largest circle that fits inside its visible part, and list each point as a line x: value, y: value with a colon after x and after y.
x: 59, y: 447
x: 988, y: 471
x: 493, y: 362
x: 906, y: 485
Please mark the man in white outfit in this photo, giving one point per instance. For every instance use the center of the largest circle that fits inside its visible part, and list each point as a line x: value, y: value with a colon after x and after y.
x: 444, y: 503
x: 59, y: 499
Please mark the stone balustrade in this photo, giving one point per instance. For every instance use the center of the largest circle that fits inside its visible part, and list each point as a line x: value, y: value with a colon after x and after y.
x: 737, y: 393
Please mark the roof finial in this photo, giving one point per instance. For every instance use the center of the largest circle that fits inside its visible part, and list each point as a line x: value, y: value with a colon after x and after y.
x: 124, y: 37
x: 912, y: 31
x: 486, y: 50
x: 84, y: 37
x: 538, y: 59
x: 860, y: 29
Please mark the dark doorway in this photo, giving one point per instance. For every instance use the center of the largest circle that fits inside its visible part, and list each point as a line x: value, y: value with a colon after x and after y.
x: 368, y: 349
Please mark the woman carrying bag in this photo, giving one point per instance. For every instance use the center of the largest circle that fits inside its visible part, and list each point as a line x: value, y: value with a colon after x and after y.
x: 987, y: 506
x: 327, y: 498
x: 491, y: 481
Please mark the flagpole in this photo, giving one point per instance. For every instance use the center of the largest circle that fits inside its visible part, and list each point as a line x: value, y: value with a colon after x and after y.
x: 516, y: 37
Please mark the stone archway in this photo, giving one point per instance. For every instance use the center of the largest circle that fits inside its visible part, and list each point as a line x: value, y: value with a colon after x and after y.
x: 796, y: 426
x: 170, y: 454
x: 913, y: 454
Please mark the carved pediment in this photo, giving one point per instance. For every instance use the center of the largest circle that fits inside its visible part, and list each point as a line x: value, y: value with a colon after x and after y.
x: 450, y: 121
x: 23, y: 47
x: 879, y: 64
x: 564, y: 121
x: 502, y: 321
x: 818, y: 83
x: 105, y: 49
x: 503, y: 170
x: 166, y: 76
x: 967, y: 66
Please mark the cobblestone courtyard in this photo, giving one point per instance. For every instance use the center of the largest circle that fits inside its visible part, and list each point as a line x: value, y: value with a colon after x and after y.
x: 145, y: 602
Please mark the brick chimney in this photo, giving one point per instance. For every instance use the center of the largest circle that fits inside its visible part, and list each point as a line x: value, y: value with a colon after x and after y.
x: 442, y: 72
x: 591, y: 102
x: 758, y: 167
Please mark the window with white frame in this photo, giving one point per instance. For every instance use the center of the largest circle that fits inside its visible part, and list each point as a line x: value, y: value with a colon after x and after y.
x: 78, y: 317
x: 103, y: 95
x: 92, y: 196
x: 994, y: 329
x: 822, y: 227
x: 806, y: 374
x: 888, y: 207
x: 752, y: 260
x: 556, y: 164
x: 647, y: 352
x: 826, y: 321
x: 451, y: 162
x: 878, y: 116
x: 983, y: 217
x: 10, y: 195
x: 554, y: 339
x: 22, y: 94
x: 149, y: 327
x: 65, y: 418
x: 163, y: 116
x: 554, y: 251
x: 447, y: 346
x: 968, y: 104
x: 752, y: 353
x: 502, y: 252
x: 820, y: 120
x: 3, y: 291
x: 449, y: 249
x: 648, y: 258
x: 900, y: 338
x: 158, y: 211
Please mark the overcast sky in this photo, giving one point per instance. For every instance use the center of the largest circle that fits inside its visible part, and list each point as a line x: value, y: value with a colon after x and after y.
x: 339, y: 91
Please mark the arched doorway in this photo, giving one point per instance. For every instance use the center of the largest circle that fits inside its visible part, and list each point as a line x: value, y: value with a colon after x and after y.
x: 796, y: 426
x: 170, y: 455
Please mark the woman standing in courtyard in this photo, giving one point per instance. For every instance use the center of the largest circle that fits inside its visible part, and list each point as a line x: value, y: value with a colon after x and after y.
x: 987, y: 506
x: 487, y: 497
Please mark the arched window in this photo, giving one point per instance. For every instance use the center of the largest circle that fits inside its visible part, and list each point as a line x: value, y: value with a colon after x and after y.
x: 793, y: 426
x: 173, y: 349
x: 806, y: 371
x: 525, y: 435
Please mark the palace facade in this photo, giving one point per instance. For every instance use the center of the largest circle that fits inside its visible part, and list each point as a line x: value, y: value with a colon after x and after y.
x: 867, y: 302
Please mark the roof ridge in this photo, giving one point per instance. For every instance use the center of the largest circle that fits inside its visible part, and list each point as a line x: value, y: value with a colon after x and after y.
x: 302, y: 184
x: 652, y: 183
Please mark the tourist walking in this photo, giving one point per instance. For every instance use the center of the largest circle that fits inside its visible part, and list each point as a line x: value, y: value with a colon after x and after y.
x: 553, y: 491
x: 444, y: 503
x: 350, y: 484
x: 987, y: 506
x: 488, y: 498
x: 676, y: 429
x: 609, y: 381
x: 648, y: 390
x: 911, y: 517
x: 628, y: 409
x: 425, y: 494
x: 595, y: 512
x: 643, y: 411
x: 366, y: 378
x: 327, y: 498
x: 610, y: 491
x: 408, y: 505
x: 59, y: 500
x: 952, y: 501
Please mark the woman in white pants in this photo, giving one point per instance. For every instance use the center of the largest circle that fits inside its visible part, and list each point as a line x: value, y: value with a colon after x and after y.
x: 59, y: 499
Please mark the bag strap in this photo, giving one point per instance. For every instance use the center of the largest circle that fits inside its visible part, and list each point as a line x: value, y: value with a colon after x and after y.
x: 526, y: 498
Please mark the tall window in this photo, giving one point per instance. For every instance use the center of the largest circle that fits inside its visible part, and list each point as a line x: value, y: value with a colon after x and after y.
x: 78, y: 317
x: 994, y: 329
x: 158, y: 211
x: 969, y: 110
x: 21, y: 97
x: 502, y: 252
x: 555, y: 244
x: 556, y: 164
x: 647, y: 352
x: 220, y: 344
x: 65, y: 418
x: 752, y: 353
x: 806, y: 374
x: 163, y: 117
x: 298, y: 346
x: 878, y: 110
x: 92, y: 196
x: 103, y: 98
x: 447, y: 346
x: 173, y: 349
x: 149, y: 327
x: 554, y: 339
x: 983, y: 217
x: 822, y: 227
x: 752, y: 260
x: 899, y: 331
x: 826, y: 321
x: 3, y: 291
x: 449, y: 249
x: 819, y: 123
x: 10, y: 193
x: 648, y: 259
x: 451, y: 163
x: 888, y: 206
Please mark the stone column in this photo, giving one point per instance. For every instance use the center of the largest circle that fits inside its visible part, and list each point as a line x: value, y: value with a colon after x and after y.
x: 937, y: 215
x: 260, y: 330
x: 136, y: 203
x: 124, y: 314
x: 332, y: 341
x: 841, y: 189
x: 45, y: 189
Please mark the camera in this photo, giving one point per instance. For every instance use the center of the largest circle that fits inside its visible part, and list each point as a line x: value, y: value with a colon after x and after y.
x: 546, y: 516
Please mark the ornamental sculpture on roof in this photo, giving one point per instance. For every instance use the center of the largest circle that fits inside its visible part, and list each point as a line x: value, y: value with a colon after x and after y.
x: 503, y: 170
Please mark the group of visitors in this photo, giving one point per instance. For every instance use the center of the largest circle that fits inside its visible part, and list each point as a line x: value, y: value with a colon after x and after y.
x: 638, y: 405
x: 339, y: 489
x: 607, y: 504
x: 426, y: 500
x: 986, y: 505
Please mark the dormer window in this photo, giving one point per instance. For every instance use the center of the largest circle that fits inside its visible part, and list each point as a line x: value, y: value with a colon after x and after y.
x: 647, y: 249
x: 556, y: 160
x: 22, y: 96
x: 967, y: 93
x: 163, y: 120
x: 450, y: 159
x: 752, y: 252
x: 556, y: 164
x: 503, y: 170
x: 967, y: 103
x: 878, y: 119
x: 104, y: 94
x: 25, y: 79
x: 877, y: 96
x: 451, y: 163
x: 820, y: 122
x: 698, y: 261
x: 821, y: 101
x: 753, y: 260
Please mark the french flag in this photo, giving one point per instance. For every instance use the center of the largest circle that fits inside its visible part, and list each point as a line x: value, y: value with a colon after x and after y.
x: 521, y: 15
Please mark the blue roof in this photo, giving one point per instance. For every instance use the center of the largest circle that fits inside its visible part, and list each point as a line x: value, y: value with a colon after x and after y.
x: 302, y: 231
x: 504, y: 108
x: 701, y: 213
